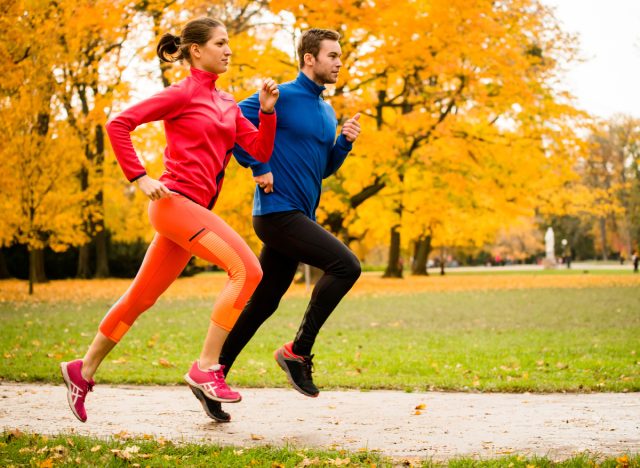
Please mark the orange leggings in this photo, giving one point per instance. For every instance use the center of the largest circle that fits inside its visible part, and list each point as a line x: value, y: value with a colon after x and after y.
x: 185, y: 228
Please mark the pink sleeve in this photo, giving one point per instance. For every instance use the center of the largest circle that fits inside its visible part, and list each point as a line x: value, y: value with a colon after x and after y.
x: 164, y: 105
x: 258, y: 142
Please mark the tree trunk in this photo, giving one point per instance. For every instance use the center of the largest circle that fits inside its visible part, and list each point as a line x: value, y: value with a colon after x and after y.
x: 84, y: 261
x: 603, y: 235
x: 102, y: 260
x: 394, y: 269
x: 421, y: 256
x: 442, y: 261
x: 36, y: 268
x: 314, y: 275
x: 4, y: 270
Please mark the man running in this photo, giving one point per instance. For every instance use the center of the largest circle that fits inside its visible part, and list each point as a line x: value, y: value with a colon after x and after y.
x: 287, y: 195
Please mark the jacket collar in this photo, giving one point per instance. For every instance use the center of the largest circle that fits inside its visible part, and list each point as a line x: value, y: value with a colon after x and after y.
x: 308, y: 84
x: 203, y: 77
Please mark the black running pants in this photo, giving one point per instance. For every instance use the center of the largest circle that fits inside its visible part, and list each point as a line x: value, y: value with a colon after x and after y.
x: 289, y: 238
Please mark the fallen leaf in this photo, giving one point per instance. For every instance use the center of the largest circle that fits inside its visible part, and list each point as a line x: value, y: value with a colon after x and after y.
x: 164, y: 363
x: 132, y: 449
x: 339, y: 461
x: 256, y: 437
x: 421, y: 406
x: 15, y: 434
x: 48, y: 463
x: 418, y: 412
x: 622, y: 462
x: 96, y: 448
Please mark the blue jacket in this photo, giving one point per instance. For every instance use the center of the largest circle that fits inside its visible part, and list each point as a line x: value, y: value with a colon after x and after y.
x: 305, y: 150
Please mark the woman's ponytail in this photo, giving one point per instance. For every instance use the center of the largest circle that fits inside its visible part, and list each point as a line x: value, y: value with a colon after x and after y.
x: 169, y: 48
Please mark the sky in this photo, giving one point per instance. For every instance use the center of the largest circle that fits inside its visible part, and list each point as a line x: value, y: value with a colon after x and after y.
x: 608, y: 81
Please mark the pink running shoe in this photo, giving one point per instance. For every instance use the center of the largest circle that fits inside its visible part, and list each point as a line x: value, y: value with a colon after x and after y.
x: 77, y: 387
x: 211, y: 382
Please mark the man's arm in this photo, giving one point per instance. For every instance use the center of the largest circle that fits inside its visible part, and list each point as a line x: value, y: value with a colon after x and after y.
x: 343, y: 145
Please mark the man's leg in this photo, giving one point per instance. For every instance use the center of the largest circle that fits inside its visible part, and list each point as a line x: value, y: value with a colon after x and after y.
x: 308, y: 242
x: 278, y: 271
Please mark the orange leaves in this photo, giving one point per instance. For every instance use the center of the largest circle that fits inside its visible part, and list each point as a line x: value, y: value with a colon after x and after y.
x: 208, y: 286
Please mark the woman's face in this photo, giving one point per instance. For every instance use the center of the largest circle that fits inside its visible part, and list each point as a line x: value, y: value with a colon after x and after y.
x: 213, y: 56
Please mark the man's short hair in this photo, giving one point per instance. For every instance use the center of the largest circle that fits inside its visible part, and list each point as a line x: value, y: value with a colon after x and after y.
x: 310, y: 40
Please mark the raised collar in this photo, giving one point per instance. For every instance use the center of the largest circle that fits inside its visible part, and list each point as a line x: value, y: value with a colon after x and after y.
x: 202, y: 76
x: 308, y: 84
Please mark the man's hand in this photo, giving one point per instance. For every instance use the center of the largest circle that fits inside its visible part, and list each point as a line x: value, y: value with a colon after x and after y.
x: 152, y: 188
x: 269, y: 94
x: 265, y: 182
x: 351, y: 128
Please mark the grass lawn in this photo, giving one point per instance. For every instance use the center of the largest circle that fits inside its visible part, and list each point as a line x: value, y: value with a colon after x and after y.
x: 19, y: 449
x: 511, y: 333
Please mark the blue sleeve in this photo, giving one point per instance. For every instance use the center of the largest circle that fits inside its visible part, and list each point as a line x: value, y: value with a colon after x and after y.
x: 250, y: 108
x: 337, y: 156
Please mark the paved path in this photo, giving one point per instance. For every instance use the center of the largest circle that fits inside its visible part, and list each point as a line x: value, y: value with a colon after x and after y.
x: 451, y: 424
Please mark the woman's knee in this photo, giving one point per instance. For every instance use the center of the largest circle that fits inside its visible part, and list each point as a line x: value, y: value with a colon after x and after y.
x: 254, y: 274
x: 251, y: 272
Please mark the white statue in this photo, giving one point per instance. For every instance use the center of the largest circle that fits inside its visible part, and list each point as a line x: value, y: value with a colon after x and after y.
x: 549, y: 244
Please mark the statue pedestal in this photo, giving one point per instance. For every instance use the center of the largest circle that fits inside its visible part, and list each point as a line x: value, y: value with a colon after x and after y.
x: 549, y: 263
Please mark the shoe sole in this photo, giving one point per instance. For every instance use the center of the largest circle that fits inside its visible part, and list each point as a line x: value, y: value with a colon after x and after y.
x: 199, y: 394
x: 67, y: 382
x: 280, y: 360
x: 207, y: 395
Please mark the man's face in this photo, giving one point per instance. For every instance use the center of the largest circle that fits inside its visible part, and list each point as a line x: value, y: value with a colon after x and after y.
x: 326, y: 66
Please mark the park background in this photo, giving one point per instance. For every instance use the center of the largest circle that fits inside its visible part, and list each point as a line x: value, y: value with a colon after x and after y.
x: 472, y: 147
x: 472, y: 144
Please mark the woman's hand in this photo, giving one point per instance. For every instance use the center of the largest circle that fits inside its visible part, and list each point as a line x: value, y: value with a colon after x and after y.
x: 269, y: 94
x: 152, y: 188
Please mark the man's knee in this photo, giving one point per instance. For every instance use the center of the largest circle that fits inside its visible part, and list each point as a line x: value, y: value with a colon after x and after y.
x: 352, y: 267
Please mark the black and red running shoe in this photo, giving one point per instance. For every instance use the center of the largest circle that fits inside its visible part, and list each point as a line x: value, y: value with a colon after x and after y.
x: 298, y: 369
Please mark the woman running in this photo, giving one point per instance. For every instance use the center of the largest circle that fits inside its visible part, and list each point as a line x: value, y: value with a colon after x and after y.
x: 202, y: 125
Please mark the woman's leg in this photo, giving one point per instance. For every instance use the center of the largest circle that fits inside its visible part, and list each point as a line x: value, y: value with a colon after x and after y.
x: 207, y: 236
x: 163, y: 262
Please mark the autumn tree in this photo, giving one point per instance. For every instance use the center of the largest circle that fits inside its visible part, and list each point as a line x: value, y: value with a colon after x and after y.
x: 91, y: 34
x: 610, y: 169
x: 38, y: 194
x: 476, y: 78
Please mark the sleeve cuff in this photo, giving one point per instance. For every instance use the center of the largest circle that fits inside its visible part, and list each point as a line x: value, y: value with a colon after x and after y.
x: 344, y: 143
x: 137, y: 177
x: 260, y: 170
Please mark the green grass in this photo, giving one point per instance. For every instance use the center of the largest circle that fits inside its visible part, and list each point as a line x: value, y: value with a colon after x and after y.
x: 19, y: 449
x: 538, y: 340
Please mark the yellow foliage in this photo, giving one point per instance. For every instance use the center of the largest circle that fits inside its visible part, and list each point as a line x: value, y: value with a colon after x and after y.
x: 209, y: 285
